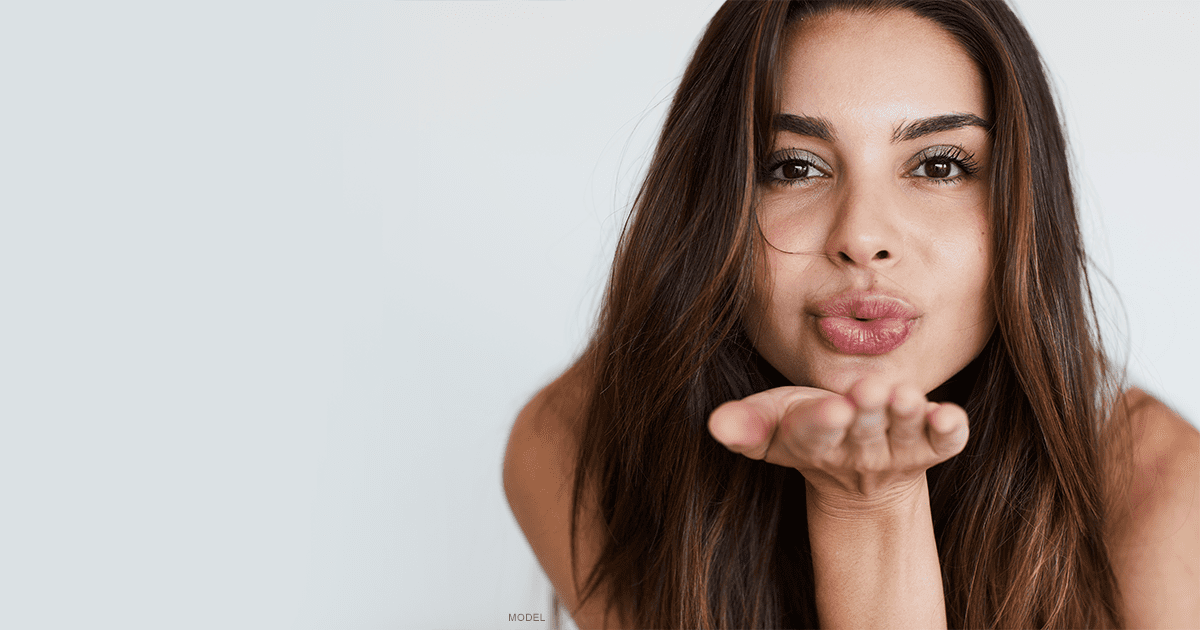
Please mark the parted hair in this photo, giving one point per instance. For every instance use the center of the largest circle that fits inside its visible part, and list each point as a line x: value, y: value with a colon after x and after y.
x: 699, y: 537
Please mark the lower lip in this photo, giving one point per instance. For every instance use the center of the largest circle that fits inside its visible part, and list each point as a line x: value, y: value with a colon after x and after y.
x: 871, y: 337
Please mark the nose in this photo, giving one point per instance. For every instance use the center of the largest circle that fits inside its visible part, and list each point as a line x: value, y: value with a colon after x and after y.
x: 865, y: 230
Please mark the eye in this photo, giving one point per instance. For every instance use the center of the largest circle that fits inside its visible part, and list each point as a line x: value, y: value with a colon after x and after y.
x: 794, y: 166
x: 943, y: 164
x: 939, y: 168
x: 793, y: 169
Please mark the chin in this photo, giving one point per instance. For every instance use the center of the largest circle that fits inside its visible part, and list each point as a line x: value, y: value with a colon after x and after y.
x: 840, y: 372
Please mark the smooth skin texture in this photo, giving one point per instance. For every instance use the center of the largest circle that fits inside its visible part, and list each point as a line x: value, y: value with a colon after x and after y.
x: 870, y: 216
x: 867, y: 213
x: 861, y: 428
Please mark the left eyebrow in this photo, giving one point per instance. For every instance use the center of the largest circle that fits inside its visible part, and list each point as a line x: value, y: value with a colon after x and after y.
x: 934, y: 124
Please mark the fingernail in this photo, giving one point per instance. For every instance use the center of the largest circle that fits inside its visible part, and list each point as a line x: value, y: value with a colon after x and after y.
x: 871, y: 420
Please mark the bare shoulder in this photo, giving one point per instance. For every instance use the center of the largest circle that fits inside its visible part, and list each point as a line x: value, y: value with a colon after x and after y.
x: 1155, y: 538
x: 539, y: 469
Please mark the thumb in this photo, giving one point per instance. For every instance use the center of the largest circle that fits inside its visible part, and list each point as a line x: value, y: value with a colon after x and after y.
x: 739, y: 426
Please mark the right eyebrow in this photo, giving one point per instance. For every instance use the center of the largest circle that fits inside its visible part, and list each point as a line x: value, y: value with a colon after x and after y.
x: 934, y: 124
x: 818, y: 128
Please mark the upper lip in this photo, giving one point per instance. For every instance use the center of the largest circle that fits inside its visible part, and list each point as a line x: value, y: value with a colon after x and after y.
x: 866, y: 305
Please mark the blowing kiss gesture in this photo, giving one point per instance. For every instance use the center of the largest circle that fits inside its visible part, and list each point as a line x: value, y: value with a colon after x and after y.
x: 857, y: 451
x: 863, y: 456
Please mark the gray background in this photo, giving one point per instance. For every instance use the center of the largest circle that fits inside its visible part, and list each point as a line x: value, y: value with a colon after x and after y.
x: 277, y: 276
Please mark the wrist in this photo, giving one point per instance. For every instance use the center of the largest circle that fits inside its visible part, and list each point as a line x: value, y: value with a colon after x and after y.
x: 907, y: 498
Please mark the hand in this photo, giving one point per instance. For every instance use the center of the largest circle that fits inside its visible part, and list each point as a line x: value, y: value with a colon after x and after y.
x: 857, y: 450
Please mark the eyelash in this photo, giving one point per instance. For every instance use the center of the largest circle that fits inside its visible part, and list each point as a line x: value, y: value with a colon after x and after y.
x: 788, y: 156
x: 949, y: 153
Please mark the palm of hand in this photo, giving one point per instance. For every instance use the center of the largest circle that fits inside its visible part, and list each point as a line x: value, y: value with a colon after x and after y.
x: 856, y: 451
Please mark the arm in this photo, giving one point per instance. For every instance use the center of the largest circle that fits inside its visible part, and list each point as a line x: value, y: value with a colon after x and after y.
x: 539, y: 467
x: 1155, y: 539
x: 877, y: 566
x: 864, y: 458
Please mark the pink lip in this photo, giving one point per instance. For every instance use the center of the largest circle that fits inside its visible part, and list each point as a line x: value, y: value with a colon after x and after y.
x: 865, y: 323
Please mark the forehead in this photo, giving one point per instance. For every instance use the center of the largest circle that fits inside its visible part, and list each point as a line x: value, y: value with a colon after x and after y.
x: 876, y: 68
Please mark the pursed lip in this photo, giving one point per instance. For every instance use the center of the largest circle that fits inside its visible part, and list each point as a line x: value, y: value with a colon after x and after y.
x: 865, y: 323
x: 864, y: 305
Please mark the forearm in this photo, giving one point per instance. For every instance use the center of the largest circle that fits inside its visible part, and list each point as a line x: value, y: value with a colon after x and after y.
x: 876, y: 565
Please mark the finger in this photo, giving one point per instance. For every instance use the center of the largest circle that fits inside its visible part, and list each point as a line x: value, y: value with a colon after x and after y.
x: 741, y: 427
x: 870, y: 396
x: 906, y: 415
x: 817, y: 425
x: 948, y: 430
x: 754, y: 425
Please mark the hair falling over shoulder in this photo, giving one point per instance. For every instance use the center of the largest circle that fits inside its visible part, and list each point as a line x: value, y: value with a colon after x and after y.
x: 699, y: 537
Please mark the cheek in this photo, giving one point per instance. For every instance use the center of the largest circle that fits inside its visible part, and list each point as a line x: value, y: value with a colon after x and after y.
x: 967, y: 261
x: 960, y: 273
x: 981, y: 271
x: 777, y: 291
x: 961, y: 243
x: 757, y: 313
x: 969, y: 275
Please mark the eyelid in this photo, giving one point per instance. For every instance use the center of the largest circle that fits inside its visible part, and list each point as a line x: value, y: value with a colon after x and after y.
x: 776, y: 159
x: 965, y: 158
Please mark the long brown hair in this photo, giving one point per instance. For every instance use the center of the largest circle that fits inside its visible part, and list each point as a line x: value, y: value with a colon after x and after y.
x: 699, y: 537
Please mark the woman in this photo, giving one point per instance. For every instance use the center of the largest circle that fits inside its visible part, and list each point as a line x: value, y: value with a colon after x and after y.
x: 845, y: 373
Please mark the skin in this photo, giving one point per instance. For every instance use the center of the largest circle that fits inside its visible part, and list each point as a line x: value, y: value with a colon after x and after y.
x: 864, y: 214
x: 871, y: 219
x: 860, y: 212
x: 862, y: 428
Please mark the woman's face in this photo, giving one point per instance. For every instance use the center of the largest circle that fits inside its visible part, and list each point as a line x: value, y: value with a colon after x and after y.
x: 874, y: 206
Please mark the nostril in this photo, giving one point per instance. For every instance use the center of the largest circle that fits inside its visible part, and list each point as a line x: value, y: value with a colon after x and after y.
x: 883, y: 253
x: 845, y: 257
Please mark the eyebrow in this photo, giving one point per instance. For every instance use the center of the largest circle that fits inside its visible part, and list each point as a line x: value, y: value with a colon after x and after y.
x: 934, y: 124
x: 820, y: 128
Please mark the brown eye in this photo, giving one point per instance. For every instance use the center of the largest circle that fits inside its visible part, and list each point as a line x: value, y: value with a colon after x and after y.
x: 795, y: 167
x: 938, y: 169
x: 794, y: 170
x: 944, y: 164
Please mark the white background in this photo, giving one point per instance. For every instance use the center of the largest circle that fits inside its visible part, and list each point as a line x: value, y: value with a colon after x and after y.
x: 277, y: 276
